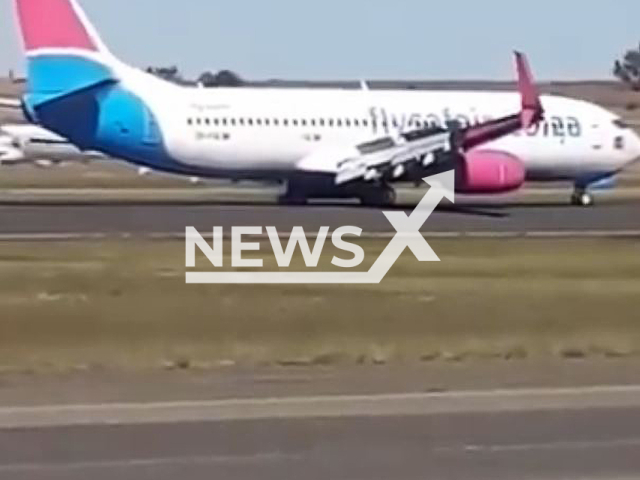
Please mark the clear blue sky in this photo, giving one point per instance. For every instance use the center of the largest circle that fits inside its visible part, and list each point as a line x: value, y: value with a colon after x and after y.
x: 344, y: 39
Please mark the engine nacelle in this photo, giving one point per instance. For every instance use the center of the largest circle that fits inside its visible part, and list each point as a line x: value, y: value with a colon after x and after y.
x: 489, y: 171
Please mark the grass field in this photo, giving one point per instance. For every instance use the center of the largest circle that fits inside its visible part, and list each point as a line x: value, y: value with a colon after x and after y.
x: 124, y: 304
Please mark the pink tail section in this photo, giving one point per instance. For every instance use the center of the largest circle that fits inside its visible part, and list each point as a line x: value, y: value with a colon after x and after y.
x: 532, y: 110
x: 53, y: 24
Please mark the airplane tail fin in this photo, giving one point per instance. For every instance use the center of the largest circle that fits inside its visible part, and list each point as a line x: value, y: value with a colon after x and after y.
x: 532, y: 110
x: 64, y: 52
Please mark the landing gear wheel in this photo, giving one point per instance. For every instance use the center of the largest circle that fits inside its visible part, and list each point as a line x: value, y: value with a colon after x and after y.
x: 380, y: 197
x: 292, y: 200
x: 295, y: 195
x: 582, y: 199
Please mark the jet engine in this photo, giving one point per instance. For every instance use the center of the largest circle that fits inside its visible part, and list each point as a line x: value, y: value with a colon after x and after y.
x: 489, y: 171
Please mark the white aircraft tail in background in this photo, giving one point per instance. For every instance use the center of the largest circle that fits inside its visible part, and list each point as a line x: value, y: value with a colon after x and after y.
x: 32, y: 144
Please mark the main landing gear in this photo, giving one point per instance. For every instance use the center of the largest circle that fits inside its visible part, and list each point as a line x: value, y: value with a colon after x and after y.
x: 378, y: 196
x: 581, y: 197
x: 293, y: 199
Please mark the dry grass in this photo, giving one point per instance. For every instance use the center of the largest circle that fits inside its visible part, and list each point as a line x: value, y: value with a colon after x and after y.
x: 125, y: 304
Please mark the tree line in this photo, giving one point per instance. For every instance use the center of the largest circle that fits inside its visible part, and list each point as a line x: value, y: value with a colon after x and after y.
x: 627, y: 69
x: 223, y: 78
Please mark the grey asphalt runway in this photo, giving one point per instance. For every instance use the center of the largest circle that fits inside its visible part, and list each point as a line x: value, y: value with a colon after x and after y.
x: 495, y: 435
x: 615, y: 216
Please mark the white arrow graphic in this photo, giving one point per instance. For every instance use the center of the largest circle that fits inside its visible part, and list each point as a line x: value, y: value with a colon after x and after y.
x: 408, y: 236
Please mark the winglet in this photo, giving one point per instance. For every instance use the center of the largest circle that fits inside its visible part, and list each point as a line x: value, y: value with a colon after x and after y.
x: 532, y: 110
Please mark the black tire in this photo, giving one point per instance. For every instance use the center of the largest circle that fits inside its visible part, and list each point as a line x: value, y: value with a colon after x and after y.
x: 380, y: 197
x: 293, y: 200
x: 582, y: 199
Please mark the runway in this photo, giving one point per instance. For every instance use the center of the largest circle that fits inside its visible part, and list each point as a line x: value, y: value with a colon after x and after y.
x: 616, y: 216
x: 583, y: 433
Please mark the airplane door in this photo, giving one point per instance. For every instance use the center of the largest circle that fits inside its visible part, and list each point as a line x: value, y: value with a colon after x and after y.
x: 151, y: 135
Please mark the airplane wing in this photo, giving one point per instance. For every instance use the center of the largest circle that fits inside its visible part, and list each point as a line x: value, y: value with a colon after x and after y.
x: 10, y: 103
x: 392, y: 158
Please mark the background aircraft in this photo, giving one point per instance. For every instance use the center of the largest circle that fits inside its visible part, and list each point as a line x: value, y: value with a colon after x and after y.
x: 322, y: 142
x: 33, y: 144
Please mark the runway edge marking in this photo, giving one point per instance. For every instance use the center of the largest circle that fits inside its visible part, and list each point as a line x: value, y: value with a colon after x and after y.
x: 403, y: 404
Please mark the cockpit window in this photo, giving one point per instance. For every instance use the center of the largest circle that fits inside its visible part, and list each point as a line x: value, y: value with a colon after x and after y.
x: 621, y: 123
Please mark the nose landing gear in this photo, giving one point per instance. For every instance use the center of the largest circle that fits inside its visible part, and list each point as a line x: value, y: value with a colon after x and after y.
x: 582, y: 198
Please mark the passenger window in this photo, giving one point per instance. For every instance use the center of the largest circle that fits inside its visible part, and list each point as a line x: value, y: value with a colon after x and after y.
x: 267, y: 122
x: 321, y: 122
x: 250, y: 122
x: 189, y: 121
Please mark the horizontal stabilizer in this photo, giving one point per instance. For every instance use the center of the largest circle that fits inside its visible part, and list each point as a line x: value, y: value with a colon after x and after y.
x: 10, y: 103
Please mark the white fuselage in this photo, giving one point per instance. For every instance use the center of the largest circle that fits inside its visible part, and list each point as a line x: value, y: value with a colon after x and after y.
x: 254, y: 131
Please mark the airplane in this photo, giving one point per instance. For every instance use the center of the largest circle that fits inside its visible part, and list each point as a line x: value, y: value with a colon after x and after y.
x: 321, y: 142
x: 31, y: 144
